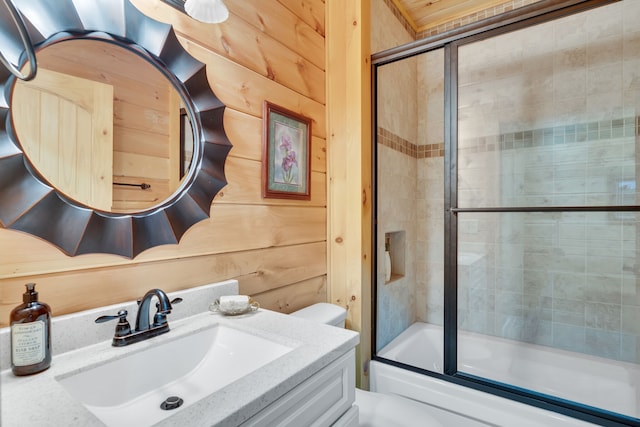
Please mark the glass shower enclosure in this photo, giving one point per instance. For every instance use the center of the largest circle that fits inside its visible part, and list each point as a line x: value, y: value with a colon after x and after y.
x: 507, y: 209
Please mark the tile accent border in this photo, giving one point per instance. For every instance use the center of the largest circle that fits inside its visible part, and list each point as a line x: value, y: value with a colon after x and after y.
x: 581, y: 132
x: 397, y: 143
x: 627, y: 127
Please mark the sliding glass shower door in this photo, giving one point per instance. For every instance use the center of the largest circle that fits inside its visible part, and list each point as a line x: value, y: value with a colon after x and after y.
x: 508, y: 212
x: 547, y: 162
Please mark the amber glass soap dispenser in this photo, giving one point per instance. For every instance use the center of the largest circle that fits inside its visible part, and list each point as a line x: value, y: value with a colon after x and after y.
x: 30, y: 334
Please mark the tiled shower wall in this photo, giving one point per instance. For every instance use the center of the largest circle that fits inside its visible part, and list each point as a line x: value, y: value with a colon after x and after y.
x: 413, y: 164
x: 410, y: 150
x: 410, y: 153
x: 548, y: 118
x: 430, y: 195
x: 397, y: 121
x: 396, y: 213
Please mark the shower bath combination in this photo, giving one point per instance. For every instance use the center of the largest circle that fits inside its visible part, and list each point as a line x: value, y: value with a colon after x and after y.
x: 508, y: 159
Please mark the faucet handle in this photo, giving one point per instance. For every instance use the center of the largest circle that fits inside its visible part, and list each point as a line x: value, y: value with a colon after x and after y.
x: 176, y: 300
x: 173, y: 301
x: 122, y: 328
x: 161, y: 318
x: 122, y: 315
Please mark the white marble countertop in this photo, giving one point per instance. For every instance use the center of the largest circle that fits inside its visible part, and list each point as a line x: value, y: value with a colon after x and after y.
x: 40, y: 400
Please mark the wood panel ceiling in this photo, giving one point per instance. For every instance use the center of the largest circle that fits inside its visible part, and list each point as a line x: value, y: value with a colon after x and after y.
x: 424, y: 14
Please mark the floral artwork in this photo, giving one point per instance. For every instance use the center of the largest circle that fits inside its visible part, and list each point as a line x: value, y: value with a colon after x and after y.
x: 286, y: 158
x: 289, y: 170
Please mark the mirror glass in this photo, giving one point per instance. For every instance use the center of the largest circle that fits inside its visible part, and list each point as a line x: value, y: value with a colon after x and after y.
x: 103, y: 126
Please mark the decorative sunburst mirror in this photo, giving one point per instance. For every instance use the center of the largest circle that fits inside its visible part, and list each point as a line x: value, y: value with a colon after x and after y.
x: 31, y: 203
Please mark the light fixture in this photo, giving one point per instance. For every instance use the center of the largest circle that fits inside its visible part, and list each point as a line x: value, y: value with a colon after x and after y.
x: 209, y: 11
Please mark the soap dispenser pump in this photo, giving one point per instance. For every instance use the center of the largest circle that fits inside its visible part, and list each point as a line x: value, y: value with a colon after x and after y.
x: 30, y: 334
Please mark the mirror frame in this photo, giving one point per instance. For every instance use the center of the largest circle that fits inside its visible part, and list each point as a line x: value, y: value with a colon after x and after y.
x: 29, y: 204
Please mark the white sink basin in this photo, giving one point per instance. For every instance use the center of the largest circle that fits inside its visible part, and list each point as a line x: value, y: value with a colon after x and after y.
x: 130, y: 390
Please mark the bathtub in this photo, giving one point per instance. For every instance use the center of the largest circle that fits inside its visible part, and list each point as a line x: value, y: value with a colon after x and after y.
x: 587, y: 379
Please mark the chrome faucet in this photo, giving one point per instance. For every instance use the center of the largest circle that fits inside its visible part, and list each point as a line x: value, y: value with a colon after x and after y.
x: 143, y: 329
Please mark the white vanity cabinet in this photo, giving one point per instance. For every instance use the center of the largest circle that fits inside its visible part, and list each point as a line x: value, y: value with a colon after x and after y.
x: 324, y: 399
x: 310, y: 384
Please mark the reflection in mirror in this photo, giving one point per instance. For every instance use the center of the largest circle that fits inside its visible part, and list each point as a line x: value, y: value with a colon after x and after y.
x: 103, y: 126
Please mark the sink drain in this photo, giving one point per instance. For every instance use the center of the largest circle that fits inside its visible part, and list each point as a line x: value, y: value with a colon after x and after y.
x: 172, y: 402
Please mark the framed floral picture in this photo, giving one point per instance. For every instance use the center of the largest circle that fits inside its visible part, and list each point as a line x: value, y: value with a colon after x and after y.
x: 286, y: 154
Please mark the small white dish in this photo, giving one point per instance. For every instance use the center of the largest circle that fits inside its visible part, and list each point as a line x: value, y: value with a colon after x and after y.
x: 249, y: 308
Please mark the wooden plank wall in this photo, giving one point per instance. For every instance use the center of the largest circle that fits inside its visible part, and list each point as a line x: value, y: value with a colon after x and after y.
x: 349, y: 168
x: 267, y: 50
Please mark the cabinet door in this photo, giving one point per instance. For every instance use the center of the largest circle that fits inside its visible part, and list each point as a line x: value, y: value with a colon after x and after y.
x: 318, y: 402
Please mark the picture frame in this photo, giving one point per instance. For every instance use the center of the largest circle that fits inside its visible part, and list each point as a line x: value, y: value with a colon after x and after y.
x: 286, y: 154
